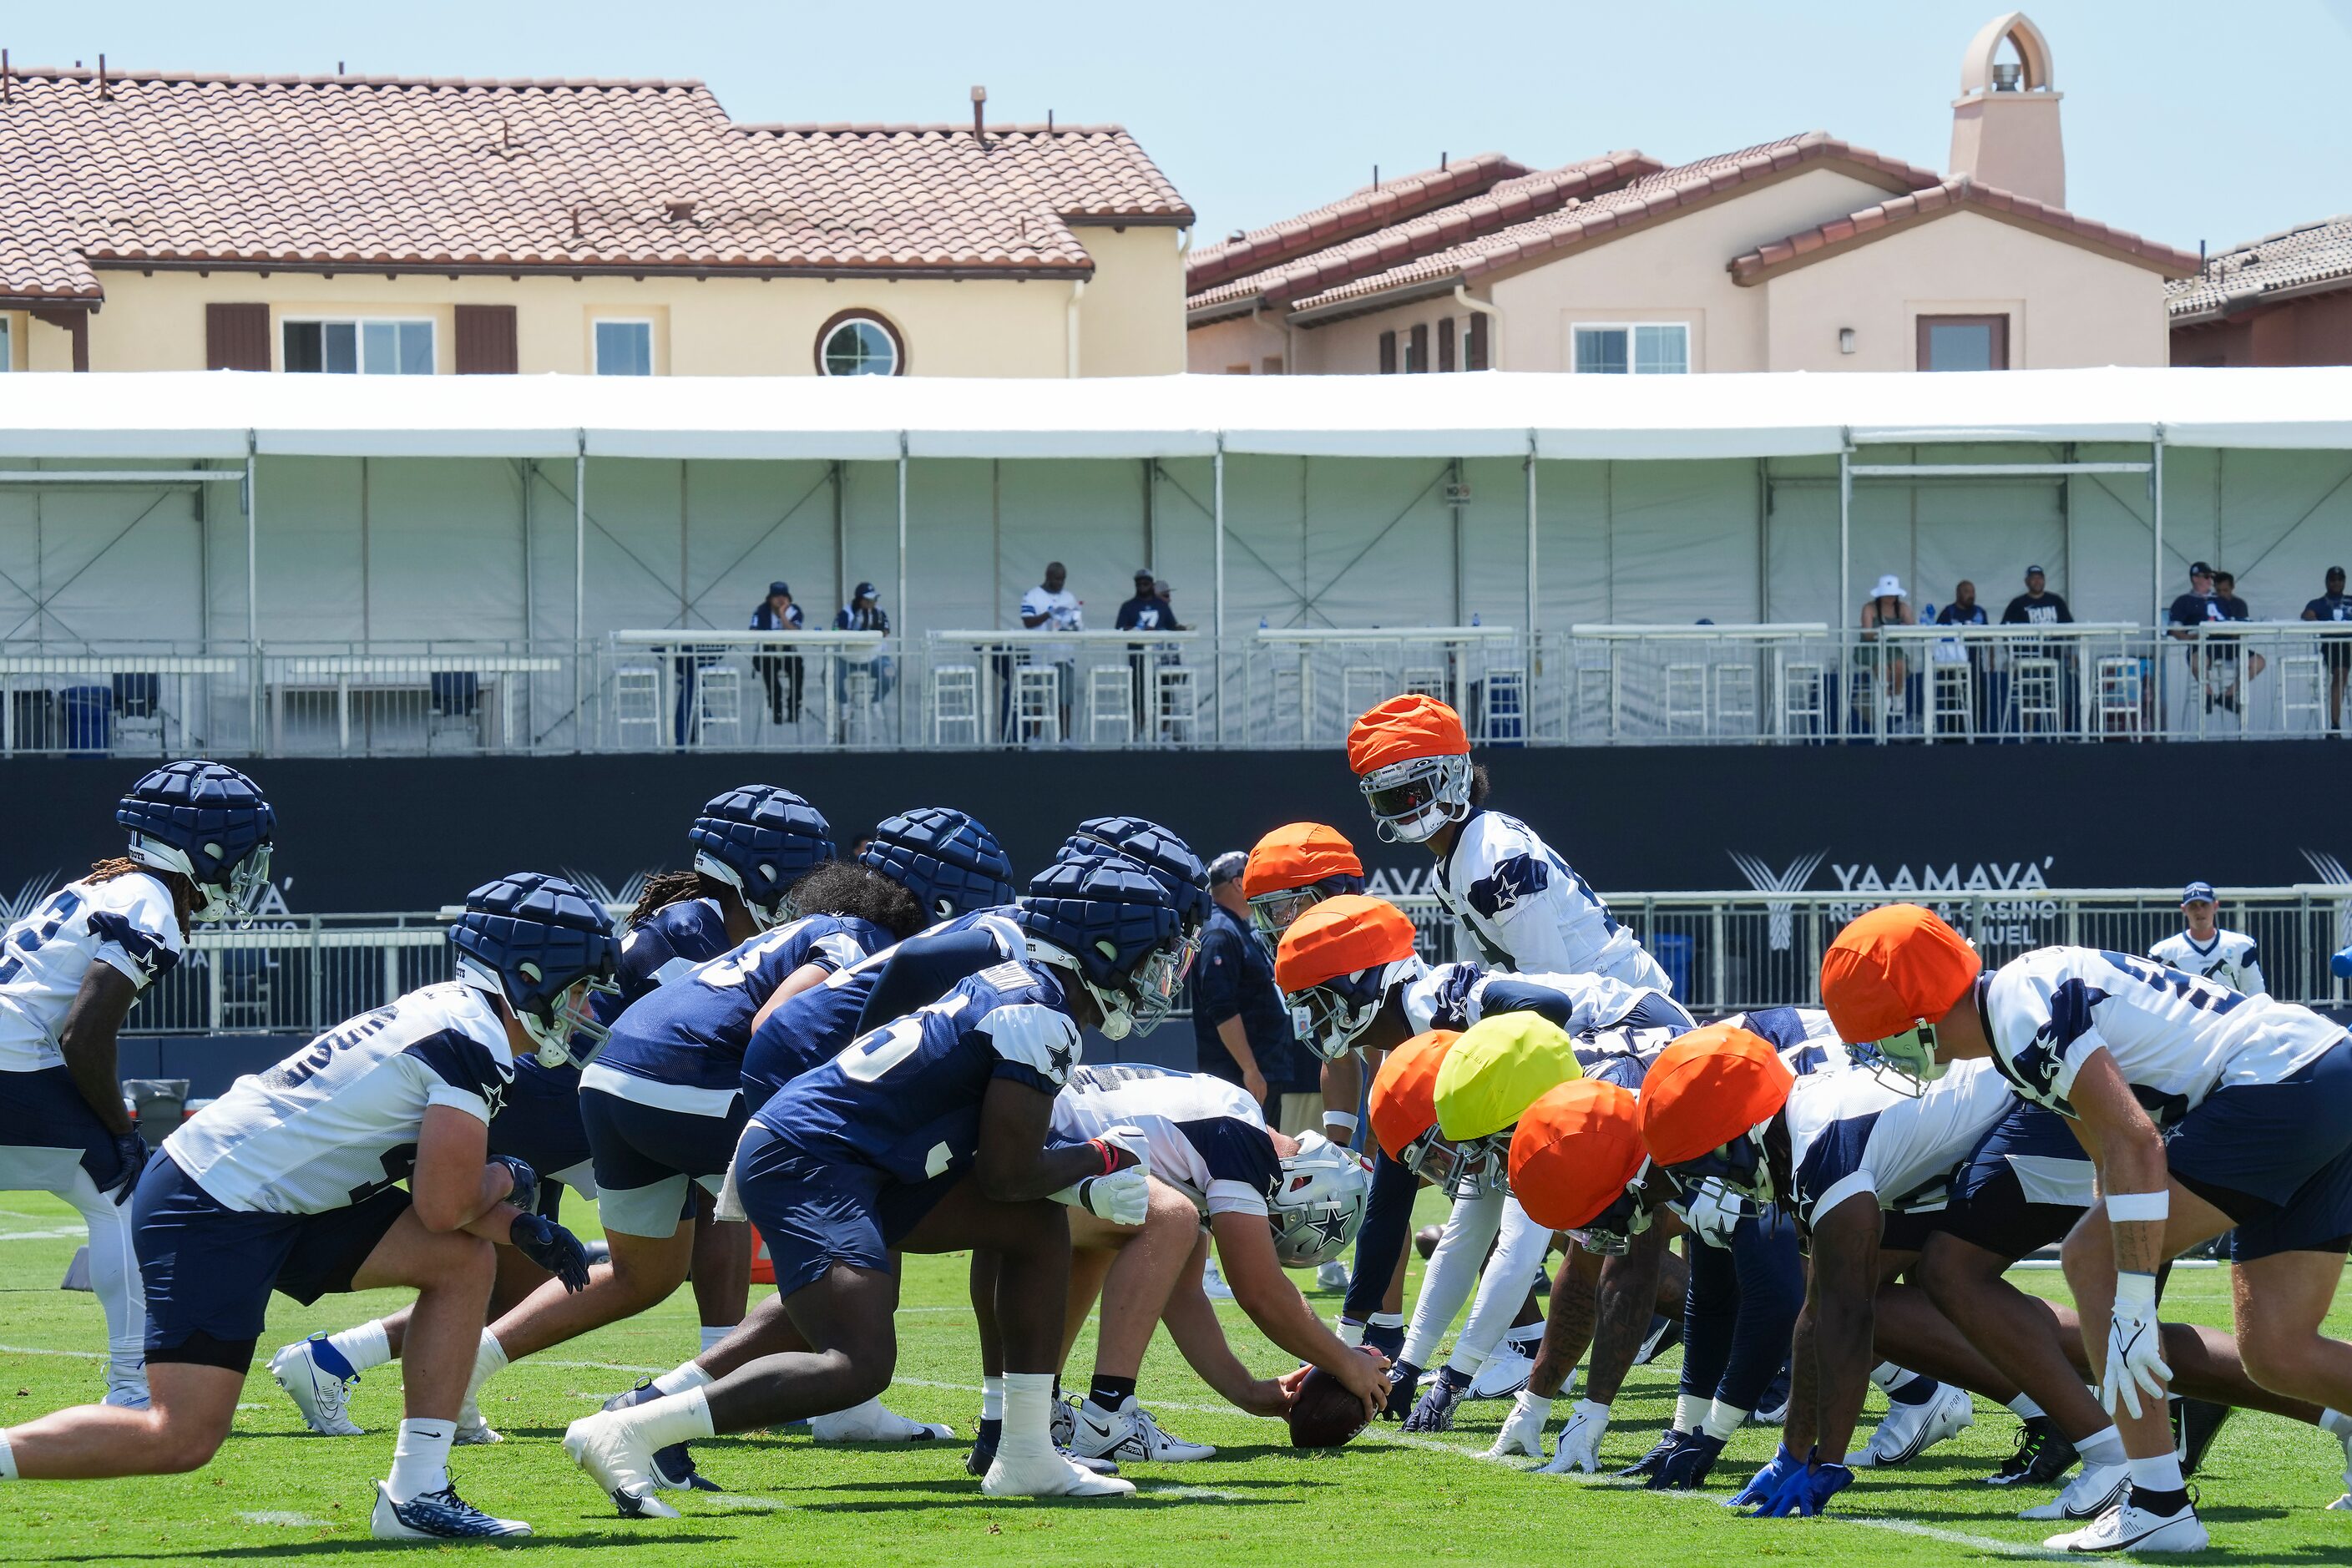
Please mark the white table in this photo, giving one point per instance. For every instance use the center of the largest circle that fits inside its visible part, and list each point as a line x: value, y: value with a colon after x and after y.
x: 179, y: 666
x: 1447, y: 642
x: 678, y: 642
x: 341, y: 672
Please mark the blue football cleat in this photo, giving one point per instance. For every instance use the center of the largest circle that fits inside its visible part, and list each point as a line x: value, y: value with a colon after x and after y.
x: 436, y: 1516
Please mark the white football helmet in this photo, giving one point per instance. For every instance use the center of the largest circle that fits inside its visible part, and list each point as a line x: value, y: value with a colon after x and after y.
x: 1411, y: 800
x: 1320, y: 1205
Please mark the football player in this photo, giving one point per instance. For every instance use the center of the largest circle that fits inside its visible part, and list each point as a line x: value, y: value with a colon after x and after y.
x: 2226, y: 957
x: 1290, y: 871
x: 291, y: 1180
x: 750, y: 846
x: 70, y: 970
x: 930, y: 1134
x: 2257, y: 1097
x: 1509, y: 892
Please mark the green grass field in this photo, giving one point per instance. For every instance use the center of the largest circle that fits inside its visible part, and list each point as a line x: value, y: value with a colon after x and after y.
x: 276, y: 1492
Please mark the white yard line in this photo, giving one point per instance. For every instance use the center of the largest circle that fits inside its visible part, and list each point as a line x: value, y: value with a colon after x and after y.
x: 289, y: 1520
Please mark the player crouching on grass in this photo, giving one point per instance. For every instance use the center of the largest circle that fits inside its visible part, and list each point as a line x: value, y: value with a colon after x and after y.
x: 1290, y: 871
x: 2252, y: 1128
x: 930, y: 1135
x: 291, y: 1181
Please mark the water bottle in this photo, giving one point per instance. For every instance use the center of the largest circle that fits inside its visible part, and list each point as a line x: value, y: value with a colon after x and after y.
x: 1474, y: 617
x: 1261, y: 623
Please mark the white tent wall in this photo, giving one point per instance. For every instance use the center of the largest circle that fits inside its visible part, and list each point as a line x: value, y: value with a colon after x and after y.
x: 312, y: 587
x: 2112, y: 518
x: 1087, y: 515
x: 953, y: 544
x: 1493, y: 570
x: 749, y: 524
x: 1682, y: 541
x: 443, y: 557
x: 1184, y: 538
x: 1800, y: 535
x: 102, y: 561
x: 2281, y: 519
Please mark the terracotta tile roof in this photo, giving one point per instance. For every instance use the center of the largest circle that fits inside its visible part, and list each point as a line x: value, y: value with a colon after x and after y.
x: 1650, y: 199
x: 1501, y: 204
x: 1942, y: 200
x: 2299, y: 261
x: 365, y: 172
x: 1361, y: 212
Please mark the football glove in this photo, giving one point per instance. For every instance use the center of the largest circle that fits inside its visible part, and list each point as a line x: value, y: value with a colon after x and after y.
x: 1805, y: 1492
x: 1714, y: 1213
x: 2134, y: 1359
x: 1767, y: 1481
x: 552, y: 1247
x: 525, y: 1196
x: 1650, y: 1464
x: 1522, y: 1430
x: 131, y: 1149
x: 1123, y: 1146
x: 1434, y: 1412
x: 1685, y: 1470
x: 1123, y: 1197
x: 1404, y: 1380
x: 1579, y: 1441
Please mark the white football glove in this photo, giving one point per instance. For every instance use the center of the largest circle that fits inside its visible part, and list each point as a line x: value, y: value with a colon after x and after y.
x: 1579, y: 1441
x: 1123, y: 1197
x: 1523, y: 1429
x: 1713, y: 1212
x: 2134, y: 1358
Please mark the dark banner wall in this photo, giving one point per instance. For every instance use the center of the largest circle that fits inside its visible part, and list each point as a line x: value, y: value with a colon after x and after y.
x: 415, y: 833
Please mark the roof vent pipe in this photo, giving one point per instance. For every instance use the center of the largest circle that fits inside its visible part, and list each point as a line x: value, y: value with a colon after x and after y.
x: 2008, y: 76
x: 979, y: 108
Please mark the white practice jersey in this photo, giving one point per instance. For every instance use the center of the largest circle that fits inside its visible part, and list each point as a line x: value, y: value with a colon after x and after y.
x: 2175, y: 1037
x: 1528, y: 911
x: 1457, y: 996
x: 125, y: 922
x: 1207, y: 1138
x: 1849, y: 1133
x: 2230, y: 959
x: 338, y: 1122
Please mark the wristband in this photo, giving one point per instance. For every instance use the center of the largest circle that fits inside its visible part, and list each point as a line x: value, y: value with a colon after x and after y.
x: 1350, y: 1334
x: 1109, y: 1153
x: 2133, y: 1290
x: 1341, y: 1119
x: 2142, y: 1207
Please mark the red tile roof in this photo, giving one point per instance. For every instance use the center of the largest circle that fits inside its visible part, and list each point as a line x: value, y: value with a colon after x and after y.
x: 1358, y: 213
x: 2305, y: 260
x: 1647, y: 200
x: 1501, y: 204
x: 371, y: 173
x: 1942, y: 200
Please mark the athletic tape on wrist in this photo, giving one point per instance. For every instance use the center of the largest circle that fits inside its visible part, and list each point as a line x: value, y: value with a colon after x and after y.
x: 1340, y: 1119
x: 2143, y: 1208
x: 2135, y: 1289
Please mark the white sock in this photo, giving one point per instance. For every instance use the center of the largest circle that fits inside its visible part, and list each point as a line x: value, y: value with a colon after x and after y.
x: 2104, y: 1446
x: 1028, y: 1431
x: 1388, y: 1319
x: 2026, y: 1410
x: 680, y: 1379
x: 2161, y: 1474
x: 2337, y: 1424
x: 675, y: 1418
x: 992, y: 1398
x: 7, y: 1460
x: 1723, y: 1420
x: 711, y: 1336
x: 1690, y: 1411
x: 365, y: 1347
x: 489, y: 1360
x: 1890, y: 1377
x: 420, y: 1458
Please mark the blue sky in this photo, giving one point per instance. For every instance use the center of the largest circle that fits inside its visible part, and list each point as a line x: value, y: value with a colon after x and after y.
x: 2183, y: 123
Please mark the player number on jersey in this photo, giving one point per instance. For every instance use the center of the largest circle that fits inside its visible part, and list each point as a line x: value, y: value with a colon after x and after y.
x: 885, y: 1048
x: 27, y: 938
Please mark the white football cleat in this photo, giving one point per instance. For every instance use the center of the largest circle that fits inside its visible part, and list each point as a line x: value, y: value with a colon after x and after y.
x: 1212, y: 1283
x: 2342, y: 1504
x: 1907, y: 1431
x: 874, y: 1422
x: 317, y: 1393
x: 2125, y: 1527
x: 1507, y: 1371
x: 1062, y: 1424
x: 436, y: 1516
x: 1332, y: 1276
x: 608, y: 1446
x: 1127, y: 1434
x: 2095, y: 1489
x: 1048, y: 1475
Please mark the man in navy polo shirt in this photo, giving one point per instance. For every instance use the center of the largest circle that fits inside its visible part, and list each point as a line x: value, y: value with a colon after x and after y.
x: 1239, y: 1021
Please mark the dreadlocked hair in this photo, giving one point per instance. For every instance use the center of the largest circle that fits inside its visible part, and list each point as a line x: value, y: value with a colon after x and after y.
x: 859, y: 892
x: 183, y: 892
x: 664, y: 888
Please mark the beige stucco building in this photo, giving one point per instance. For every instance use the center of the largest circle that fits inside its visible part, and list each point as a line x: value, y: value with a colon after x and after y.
x: 172, y: 222
x: 1804, y: 253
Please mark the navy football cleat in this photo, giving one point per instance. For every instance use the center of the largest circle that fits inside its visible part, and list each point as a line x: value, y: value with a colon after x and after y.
x: 673, y: 1468
x: 436, y: 1516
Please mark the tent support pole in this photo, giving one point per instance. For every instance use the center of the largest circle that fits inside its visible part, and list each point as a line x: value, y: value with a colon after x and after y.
x: 252, y: 597
x: 2156, y: 529
x: 579, y: 587
x: 1535, y: 661
x: 906, y: 624
x: 1845, y: 534
x: 1217, y: 641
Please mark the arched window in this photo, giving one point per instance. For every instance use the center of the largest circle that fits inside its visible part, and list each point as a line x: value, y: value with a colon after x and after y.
x: 859, y: 343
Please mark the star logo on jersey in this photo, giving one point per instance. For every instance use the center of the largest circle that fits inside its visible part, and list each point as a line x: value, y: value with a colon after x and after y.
x: 1060, y: 1058
x: 1520, y: 876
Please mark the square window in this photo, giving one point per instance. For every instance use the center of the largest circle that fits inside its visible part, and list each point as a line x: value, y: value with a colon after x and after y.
x: 1662, y: 350
x: 1963, y: 342
x: 358, y: 348
x: 624, y: 348
x: 1601, y: 351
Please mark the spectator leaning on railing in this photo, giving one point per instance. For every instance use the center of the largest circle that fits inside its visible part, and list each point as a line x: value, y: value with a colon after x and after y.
x: 2233, y: 608
x: 2037, y: 606
x: 1050, y: 604
x: 1889, y: 605
x: 864, y: 613
x: 1147, y: 612
x: 2335, y: 648
x: 781, y: 673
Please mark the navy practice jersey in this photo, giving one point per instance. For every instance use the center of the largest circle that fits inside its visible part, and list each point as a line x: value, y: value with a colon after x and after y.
x: 815, y: 1026
x: 905, y: 1098
x: 680, y: 1047
x: 664, y: 945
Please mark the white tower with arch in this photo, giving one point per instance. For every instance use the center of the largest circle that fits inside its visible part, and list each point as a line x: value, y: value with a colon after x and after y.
x: 2005, y: 122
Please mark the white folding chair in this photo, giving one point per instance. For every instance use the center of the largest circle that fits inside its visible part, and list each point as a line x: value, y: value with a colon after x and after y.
x: 2302, y: 689
x: 636, y: 700
x: 718, y: 705
x: 1362, y: 686
x: 1686, y: 696
x: 2120, y: 690
x: 955, y: 701
x: 1110, y: 704
x: 1176, y: 695
x: 1804, y: 699
x: 1951, y: 696
x: 858, y: 706
x: 2033, y: 694
x: 1037, y: 703
x: 1425, y: 680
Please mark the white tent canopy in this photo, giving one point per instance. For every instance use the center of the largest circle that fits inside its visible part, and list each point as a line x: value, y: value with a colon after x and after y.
x: 225, y: 414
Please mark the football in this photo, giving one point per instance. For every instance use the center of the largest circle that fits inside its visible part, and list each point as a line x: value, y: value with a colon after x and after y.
x: 1325, y: 1414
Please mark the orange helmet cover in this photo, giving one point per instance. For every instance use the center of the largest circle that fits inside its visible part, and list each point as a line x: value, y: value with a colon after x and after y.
x: 1298, y: 855
x: 1403, y: 1102
x: 1707, y: 1088
x: 1574, y: 1152
x: 1892, y: 966
x: 1341, y: 936
x: 1403, y: 728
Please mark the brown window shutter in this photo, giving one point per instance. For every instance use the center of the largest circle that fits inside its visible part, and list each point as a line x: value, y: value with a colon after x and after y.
x: 486, y: 340
x: 1421, y: 346
x: 1474, y: 355
x: 1388, y: 353
x: 237, y: 337
x: 1446, y: 343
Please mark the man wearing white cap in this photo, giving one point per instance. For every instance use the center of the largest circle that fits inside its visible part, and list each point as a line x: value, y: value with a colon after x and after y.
x: 2225, y: 957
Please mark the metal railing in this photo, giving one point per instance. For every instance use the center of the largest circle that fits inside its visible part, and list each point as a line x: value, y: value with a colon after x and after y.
x: 294, y: 973
x: 685, y: 690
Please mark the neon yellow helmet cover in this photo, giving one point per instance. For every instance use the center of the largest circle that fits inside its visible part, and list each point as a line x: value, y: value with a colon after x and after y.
x: 1498, y: 1068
